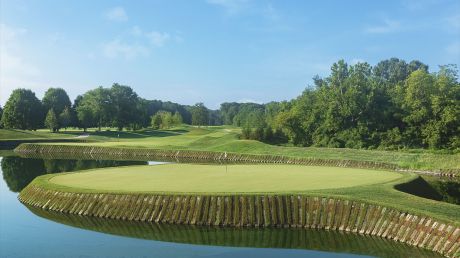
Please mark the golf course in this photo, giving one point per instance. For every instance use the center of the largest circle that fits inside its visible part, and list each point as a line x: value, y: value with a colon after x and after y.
x: 230, y: 128
x: 235, y: 182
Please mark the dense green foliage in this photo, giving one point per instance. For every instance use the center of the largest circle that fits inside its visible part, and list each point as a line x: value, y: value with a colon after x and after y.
x: 120, y: 107
x: 392, y: 105
x: 200, y: 114
x: 51, y: 121
x: 164, y: 120
x: 356, y: 108
x: 22, y: 111
x: 124, y: 104
x: 56, y: 99
x: 65, y: 118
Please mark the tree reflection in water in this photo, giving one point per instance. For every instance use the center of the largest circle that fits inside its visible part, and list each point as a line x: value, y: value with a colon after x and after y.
x: 291, y: 238
x: 19, y: 172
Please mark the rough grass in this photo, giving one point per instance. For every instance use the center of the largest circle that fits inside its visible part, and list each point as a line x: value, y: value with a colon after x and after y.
x: 193, y: 178
x: 224, y: 138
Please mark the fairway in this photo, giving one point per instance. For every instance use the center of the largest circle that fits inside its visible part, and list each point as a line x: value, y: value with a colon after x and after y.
x: 192, y: 178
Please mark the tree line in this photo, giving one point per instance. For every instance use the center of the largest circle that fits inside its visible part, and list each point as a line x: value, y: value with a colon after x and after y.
x: 391, y: 105
x: 118, y: 106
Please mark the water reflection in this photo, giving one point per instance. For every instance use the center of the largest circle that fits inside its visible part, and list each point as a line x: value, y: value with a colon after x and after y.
x: 20, y: 227
x: 321, y: 240
x: 19, y: 172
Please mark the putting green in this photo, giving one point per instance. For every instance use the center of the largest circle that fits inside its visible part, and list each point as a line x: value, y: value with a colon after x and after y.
x: 192, y: 178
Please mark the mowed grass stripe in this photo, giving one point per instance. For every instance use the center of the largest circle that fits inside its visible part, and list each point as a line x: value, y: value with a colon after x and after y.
x: 193, y: 178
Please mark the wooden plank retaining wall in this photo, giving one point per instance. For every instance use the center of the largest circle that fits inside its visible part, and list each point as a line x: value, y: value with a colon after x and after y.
x: 296, y: 211
x: 91, y: 152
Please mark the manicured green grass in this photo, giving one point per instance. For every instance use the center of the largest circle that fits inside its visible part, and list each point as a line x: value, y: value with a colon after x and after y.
x: 193, y: 178
x: 11, y: 134
x: 225, y: 138
x: 370, y: 186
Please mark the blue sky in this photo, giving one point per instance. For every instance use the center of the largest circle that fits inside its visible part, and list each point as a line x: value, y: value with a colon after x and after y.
x: 213, y: 51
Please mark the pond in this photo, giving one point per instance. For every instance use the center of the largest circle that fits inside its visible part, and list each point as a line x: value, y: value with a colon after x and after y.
x: 30, y: 232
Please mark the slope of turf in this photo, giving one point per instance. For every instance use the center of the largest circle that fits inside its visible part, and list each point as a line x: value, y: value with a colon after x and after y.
x: 12, y: 134
x: 225, y: 138
x: 193, y: 178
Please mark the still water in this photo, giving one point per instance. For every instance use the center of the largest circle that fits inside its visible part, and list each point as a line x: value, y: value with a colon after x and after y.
x: 29, y: 232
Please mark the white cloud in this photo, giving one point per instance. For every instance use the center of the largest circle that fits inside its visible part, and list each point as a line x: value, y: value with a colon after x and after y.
x: 116, y: 48
x: 16, y: 71
x: 136, y: 31
x: 387, y: 27
x: 9, y: 33
x: 140, y: 45
x: 157, y: 38
x: 117, y: 14
x: 230, y: 6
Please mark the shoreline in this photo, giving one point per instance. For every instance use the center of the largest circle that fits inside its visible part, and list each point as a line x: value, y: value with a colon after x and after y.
x: 261, y: 210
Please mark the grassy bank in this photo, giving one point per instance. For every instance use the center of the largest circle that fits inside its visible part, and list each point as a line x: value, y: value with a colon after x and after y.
x: 225, y: 139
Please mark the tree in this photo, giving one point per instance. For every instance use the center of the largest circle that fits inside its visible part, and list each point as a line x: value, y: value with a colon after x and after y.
x: 73, y: 111
x: 156, y: 121
x: 51, y: 121
x: 124, y: 103
x: 166, y: 119
x: 442, y: 130
x: 22, y: 111
x: 268, y: 134
x: 163, y: 120
x: 246, y: 132
x: 65, y: 118
x: 177, y: 119
x: 228, y: 111
x: 85, y: 117
x: 392, y: 70
x: 258, y: 134
x: 99, y: 103
x: 57, y: 99
x: 419, y: 87
x: 200, y: 114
